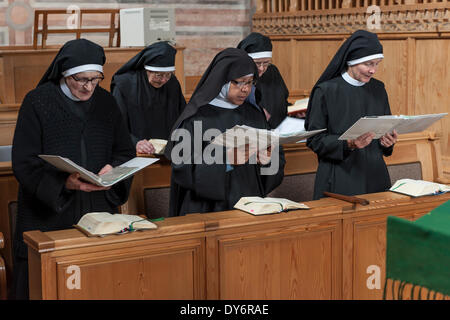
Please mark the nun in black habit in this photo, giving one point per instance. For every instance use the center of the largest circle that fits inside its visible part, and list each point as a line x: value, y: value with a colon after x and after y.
x: 271, y: 93
x: 218, y: 103
x: 345, y: 92
x: 68, y: 115
x: 149, y: 95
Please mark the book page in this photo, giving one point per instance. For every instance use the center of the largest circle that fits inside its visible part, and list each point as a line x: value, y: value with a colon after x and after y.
x: 417, y: 123
x: 417, y: 188
x: 159, y: 145
x: 260, y: 139
x: 102, y: 223
x: 299, y: 106
x: 108, y: 179
x: 377, y: 125
x: 67, y: 165
x: 259, y: 206
x: 290, y: 126
x: 380, y: 125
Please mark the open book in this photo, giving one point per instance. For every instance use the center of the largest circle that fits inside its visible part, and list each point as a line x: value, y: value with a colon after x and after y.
x: 380, y: 125
x: 418, y: 188
x: 117, y: 174
x: 103, y: 223
x: 299, y: 106
x: 238, y: 136
x: 258, y: 206
x: 159, y: 144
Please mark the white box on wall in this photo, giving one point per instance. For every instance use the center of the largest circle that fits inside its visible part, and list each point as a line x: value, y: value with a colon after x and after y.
x: 140, y: 27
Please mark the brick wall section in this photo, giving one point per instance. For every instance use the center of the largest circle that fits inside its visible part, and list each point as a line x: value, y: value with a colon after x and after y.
x: 203, y: 27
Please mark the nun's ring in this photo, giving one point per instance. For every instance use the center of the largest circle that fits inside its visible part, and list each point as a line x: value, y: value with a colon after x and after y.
x: 22, y: 26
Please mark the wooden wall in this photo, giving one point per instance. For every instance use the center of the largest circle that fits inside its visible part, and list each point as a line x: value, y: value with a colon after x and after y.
x: 21, y: 70
x: 416, y: 44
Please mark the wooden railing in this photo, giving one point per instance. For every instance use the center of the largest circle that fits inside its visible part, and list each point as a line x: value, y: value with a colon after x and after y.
x: 283, y: 6
x: 42, y: 29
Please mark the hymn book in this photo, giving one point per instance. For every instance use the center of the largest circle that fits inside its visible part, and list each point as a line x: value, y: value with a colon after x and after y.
x: 258, y: 206
x: 117, y: 174
x: 239, y: 136
x: 380, y: 125
x: 159, y: 145
x: 418, y: 188
x: 104, y: 223
x: 298, y: 107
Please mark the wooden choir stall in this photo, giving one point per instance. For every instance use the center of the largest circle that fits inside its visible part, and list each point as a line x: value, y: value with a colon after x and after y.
x: 327, y: 252
x: 335, y: 250
x: 321, y: 253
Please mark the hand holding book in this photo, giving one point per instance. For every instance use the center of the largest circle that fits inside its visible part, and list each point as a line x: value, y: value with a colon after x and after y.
x: 74, y: 181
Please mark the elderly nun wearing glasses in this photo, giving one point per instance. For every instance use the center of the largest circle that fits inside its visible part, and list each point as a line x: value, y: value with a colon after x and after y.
x: 67, y: 115
x: 149, y: 95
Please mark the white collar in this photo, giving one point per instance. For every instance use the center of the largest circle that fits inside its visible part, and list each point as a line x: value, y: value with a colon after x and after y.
x: 65, y: 89
x: 352, y: 81
x: 221, y: 101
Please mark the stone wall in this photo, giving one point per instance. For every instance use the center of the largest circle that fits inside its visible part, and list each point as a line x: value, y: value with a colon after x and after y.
x: 203, y: 27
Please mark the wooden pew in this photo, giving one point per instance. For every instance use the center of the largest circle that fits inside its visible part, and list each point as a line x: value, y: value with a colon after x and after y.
x: 21, y: 70
x: 321, y: 253
x: 150, y: 188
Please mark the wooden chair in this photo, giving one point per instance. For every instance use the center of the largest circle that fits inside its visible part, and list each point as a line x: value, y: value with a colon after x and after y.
x: 44, y: 31
x: 3, y: 288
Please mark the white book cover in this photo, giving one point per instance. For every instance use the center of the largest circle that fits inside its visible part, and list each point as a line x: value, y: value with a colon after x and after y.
x: 238, y: 136
x: 418, y: 188
x: 380, y: 125
x: 108, y: 179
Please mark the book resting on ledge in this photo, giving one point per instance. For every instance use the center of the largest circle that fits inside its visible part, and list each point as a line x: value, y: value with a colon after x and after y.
x: 258, y: 206
x: 104, y: 223
x: 117, y: 174
x: 418, y: 188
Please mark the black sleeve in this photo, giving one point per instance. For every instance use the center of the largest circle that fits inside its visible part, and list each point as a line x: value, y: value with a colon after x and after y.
x: 36, y: 177
x: 324, y: 144
x: 387, y: 111
x: 275, y: 170
x: 208, y: 181
x: 123, y: 151
x: 121, y: 102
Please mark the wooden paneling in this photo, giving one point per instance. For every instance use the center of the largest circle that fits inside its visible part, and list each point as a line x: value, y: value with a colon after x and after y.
x: 8, y: 118
x: 275, y: 264
x: 321, y: 253
x: 142, y: 272
x: 432, y: 80
x: 21, y: 70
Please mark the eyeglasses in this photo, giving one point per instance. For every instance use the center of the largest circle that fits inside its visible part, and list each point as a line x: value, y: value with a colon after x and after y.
x: 162, y: 75
x: 242, y: 84
x: 84, y: 81
x: 263, y: 64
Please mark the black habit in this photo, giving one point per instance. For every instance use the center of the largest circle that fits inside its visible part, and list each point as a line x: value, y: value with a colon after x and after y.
x: 149, y: 112
x: 91, y: 133
x: 271, y: 91
x: 336, y: 105
x: 202, y: 187
x: 272, y: 94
